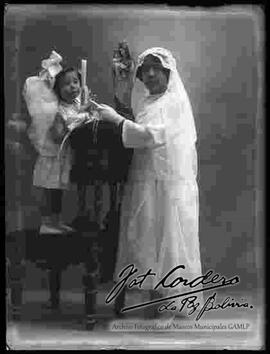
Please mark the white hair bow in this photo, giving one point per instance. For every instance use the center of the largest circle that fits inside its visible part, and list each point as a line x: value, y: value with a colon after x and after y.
x: 52, y: 64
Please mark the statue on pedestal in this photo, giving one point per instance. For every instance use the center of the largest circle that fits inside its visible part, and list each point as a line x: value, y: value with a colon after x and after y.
x: 123, y: 70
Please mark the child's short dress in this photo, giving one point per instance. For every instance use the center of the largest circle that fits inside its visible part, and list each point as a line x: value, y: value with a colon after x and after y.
x: 57, y: 168
x: 51, y: 172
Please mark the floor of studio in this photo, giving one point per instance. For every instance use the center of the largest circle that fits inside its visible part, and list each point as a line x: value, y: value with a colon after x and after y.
x: 65, y: 328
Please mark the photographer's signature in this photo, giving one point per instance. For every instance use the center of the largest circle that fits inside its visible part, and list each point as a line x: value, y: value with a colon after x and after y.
x: 184, y: 300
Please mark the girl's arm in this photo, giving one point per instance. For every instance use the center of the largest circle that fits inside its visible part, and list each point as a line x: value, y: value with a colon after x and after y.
x: 78, y: 119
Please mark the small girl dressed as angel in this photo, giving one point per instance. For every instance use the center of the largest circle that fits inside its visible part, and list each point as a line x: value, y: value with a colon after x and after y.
x: 54, y: 103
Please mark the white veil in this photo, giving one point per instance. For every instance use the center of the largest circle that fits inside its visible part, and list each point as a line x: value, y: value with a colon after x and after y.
x: 179, y: 121
x: 174, y: 162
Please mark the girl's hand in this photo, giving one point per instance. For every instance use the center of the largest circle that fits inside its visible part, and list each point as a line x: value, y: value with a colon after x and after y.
x: 77, y: 122
x: 85, y: 95
x: 85, y: 107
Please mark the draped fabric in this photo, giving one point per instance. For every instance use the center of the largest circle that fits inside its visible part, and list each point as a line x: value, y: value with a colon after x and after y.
x: 42, y: 104
x: 159, y: 214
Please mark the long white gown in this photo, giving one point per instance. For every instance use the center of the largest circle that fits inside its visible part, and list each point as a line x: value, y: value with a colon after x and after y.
x: 159, y: 214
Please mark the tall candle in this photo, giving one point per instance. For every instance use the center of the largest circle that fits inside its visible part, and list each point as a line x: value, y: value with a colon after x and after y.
x: 84, y: 64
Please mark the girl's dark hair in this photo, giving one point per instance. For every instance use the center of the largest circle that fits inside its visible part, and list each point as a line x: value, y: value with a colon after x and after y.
x: 60, y: 76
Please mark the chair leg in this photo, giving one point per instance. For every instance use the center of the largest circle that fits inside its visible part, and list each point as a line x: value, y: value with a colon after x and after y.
x: 90, y: 302
x: 16, y: 271
x: 54, y: 287
x: 120, y: 303
x: 152, y: 312
x: 16, y: 289
x: 81, y: 199
x: 90, y: 291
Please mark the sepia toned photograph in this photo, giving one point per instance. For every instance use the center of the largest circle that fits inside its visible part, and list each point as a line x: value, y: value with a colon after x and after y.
x: 134, y: 177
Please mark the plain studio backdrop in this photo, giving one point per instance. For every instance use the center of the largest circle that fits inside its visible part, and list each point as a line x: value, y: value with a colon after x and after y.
x: 219, y: 57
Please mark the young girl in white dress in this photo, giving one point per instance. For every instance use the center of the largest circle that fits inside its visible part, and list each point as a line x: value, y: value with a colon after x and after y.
x: 54, y: 103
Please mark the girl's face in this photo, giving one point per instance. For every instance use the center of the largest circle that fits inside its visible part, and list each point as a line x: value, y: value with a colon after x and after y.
x: 153, y: 75
x: 70, y: 86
